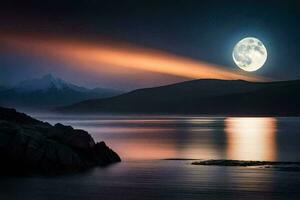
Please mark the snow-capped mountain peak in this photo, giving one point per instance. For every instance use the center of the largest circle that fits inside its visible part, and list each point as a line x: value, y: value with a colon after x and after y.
x: 46, y: 82
x: 49, y: 91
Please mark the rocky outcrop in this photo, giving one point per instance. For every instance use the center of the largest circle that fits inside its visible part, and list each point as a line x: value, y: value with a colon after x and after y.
x: 28, y: 145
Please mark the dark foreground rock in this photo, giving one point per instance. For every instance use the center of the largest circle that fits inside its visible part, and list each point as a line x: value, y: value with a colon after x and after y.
x: 28, y: 145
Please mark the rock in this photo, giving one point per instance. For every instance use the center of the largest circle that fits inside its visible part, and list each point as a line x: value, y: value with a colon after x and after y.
x: 28, y: 145
x: 104, y: 155
x: 243, y: 163
x: 72, y: 137
x: 12, y: 115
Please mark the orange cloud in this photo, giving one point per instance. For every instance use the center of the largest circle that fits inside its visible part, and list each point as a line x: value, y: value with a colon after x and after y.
x: 119, y: 57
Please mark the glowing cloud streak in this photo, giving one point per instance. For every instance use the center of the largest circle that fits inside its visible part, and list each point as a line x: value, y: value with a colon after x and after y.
x: 96, y: 56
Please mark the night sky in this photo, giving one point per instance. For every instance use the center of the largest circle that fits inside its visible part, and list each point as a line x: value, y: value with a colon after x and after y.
x: 201, y: 30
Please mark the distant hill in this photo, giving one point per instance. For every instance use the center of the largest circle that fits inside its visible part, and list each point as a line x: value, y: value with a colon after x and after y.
x: 49, y: 91
x: 206, y: 96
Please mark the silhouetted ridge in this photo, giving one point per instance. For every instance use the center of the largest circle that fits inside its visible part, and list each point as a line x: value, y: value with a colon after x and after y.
x: 206, y: 96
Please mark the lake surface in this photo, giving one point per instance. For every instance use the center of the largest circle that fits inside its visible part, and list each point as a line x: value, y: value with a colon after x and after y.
x: 144, y: 141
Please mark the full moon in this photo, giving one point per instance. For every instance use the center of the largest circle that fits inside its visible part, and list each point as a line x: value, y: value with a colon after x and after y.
x: 250, y: 54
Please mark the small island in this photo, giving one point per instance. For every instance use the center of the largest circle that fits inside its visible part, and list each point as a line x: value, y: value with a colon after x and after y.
x: 282, y: 166
x: 30, y: 146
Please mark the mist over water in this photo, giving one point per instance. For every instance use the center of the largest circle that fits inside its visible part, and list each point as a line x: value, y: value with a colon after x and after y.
x: 144, y: 142
x: 161, y: 137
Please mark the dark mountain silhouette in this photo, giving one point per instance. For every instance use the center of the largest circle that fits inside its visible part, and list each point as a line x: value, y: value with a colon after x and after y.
x: 49, y: 91
x: 206, y: 96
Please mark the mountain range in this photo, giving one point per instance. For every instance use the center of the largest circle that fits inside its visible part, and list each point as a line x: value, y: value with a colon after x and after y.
x: 205, y: 96
x: 48, y: 92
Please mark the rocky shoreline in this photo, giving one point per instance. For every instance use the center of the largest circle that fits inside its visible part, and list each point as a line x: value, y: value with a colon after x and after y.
x: 30, y: 146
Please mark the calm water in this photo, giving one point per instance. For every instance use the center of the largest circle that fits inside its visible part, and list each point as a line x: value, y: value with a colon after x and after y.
x: 143, y: 141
